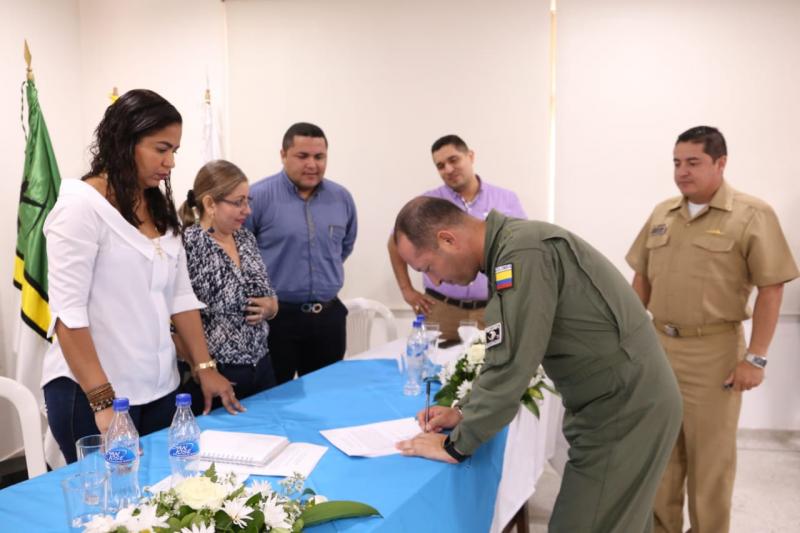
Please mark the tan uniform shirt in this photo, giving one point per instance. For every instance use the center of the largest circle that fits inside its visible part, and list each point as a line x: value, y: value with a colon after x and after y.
x: 702, y: 270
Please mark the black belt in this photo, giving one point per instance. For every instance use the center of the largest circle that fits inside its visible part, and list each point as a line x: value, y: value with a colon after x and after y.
x: 306, y: 307
x: 463, y: 304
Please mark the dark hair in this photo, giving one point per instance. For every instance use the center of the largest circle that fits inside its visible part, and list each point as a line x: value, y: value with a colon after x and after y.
x: 302, y: 129
x: 216, y: 179
x: 711, y: 138
x: 422, y: 217
x: 134, y: 115
x: 457, y: 142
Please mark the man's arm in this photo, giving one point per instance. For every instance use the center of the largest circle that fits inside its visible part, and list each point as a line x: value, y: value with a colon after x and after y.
x: 765, y: 317
x: 641, y: 285
x: 418, y: 301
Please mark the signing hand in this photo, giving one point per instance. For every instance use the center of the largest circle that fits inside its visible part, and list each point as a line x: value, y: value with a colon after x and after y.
x: 428, y: 445
x: 215, y: 384
x: 744, y: 377
x: 418, y: 301
x: 439, y: 418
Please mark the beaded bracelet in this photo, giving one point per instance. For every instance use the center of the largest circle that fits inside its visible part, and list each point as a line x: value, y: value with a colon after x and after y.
x: 101, y: 397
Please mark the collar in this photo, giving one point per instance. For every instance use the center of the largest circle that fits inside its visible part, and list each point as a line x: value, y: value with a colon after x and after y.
x: 461, y: 199
x: 169, y: 243
x: 494, y: 224
x: 292, y: 188
x: 722, y: 199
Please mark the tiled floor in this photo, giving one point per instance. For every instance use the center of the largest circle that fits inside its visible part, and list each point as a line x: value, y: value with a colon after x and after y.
x: 766, y: 497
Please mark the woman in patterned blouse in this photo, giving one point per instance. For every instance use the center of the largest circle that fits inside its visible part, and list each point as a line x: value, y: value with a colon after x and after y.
x: 229, y: 276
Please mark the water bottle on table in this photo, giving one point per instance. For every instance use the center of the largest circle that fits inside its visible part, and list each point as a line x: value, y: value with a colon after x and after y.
x: 183, y: 440
x: 122, y: 458
x: 414, y: 359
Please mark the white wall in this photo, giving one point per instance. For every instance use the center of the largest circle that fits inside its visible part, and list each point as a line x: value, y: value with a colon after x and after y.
x: 631, y: 77
x: 384, y: 79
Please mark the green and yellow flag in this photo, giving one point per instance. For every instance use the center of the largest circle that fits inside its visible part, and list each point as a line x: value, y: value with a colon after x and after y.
x: 40, y: 184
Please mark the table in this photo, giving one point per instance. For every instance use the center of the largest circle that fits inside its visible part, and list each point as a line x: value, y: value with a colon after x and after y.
x: 530, y: 444
x: 412, y: 494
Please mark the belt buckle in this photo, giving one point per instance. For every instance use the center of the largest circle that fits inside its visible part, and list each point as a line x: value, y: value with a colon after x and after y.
x: 671, y: 330
x: 313, y: 308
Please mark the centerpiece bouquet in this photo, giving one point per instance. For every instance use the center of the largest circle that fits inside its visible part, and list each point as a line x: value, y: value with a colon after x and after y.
x: 457, y: 378
x: 214, y: 502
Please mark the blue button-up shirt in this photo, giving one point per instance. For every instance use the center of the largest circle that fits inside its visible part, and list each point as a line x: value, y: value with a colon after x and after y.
x: 303, y: 242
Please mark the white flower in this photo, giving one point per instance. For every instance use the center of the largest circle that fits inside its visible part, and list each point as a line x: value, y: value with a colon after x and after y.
x: 463, y: 389
x: 201, y: 528
x: 200, y: 492
x: 538, y: 377
x: 482, y: 337
x: 318, y: 499
x: 146, y: 520
x: 274, y: 514
x: 100, y: 524
x: 262, y: 487
x: 238, y: 510
x: 476, y: 354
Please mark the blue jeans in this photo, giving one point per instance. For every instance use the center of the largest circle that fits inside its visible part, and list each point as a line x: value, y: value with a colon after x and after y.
x: 70, y: 417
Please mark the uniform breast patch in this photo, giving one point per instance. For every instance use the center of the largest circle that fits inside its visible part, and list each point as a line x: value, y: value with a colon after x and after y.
x: 494, y: 334
x: 661, y: 229
x: 504, y: 277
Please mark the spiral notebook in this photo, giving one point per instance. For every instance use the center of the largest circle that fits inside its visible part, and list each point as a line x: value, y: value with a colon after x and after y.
x: 250, y: 449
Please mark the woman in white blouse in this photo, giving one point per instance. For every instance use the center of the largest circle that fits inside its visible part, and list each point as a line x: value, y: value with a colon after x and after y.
x: 117, y: 276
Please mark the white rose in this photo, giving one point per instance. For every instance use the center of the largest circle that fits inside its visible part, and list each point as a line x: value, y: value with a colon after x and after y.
x: 476, y: 354
x: 199, y: 492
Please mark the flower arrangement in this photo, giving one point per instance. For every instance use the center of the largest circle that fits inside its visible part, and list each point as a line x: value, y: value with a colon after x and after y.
x: 457, y: 378
x: 213, y: 502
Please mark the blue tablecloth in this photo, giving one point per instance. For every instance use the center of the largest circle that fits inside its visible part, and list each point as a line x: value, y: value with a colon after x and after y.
x: 412, y: 494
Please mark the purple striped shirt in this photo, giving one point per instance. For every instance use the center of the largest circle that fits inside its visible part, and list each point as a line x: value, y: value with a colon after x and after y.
x: 489, y: 197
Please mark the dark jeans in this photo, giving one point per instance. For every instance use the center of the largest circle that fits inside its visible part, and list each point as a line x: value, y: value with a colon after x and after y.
x: 70, y: 417
x: 246, y: 380
x: 304, y: 342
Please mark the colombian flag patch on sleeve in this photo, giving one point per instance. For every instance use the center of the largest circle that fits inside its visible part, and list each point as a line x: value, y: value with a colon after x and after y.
x: 504, y: 277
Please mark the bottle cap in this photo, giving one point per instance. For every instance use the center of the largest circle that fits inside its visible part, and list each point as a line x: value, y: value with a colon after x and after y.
x: 121, y: 404
x: 183, y: 400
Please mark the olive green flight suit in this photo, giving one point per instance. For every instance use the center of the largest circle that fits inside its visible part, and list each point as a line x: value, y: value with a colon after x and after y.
x: 569, y: 309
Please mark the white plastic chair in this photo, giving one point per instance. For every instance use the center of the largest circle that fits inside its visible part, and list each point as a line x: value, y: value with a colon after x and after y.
x: 31, y: 421
x: 361, y: 314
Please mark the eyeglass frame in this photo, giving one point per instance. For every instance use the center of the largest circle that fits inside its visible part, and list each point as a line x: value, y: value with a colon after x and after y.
x: 240, y: 203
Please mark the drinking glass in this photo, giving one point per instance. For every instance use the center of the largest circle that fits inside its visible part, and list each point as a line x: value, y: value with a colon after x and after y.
x: 468, y: 331
x: 432, y: 332
x: 85, y: 494
x: 90, y: 453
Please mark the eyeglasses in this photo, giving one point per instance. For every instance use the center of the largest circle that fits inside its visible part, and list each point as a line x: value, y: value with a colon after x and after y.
x: 240, y: 203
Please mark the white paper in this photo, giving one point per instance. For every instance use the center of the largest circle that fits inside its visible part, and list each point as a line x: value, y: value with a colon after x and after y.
x: 373, y: 440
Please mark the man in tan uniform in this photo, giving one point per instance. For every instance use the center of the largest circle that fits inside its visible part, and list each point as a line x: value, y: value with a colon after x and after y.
x: 696, y: 261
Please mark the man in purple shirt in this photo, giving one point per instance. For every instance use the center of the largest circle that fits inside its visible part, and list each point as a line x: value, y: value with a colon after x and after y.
x: 448, y: 304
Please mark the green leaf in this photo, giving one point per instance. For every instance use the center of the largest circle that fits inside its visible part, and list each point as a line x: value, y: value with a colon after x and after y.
x: 174, y: 523
x: 532, y: 406
x: 536, y: 393
x: 187, y: 520
x: 327, y: 511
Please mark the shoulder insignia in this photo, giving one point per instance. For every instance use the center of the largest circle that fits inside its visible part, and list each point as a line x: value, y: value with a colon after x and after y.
x: 504, y: 277
x: 494, y: 334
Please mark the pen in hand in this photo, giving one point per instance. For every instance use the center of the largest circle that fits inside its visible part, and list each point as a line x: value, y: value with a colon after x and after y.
x: 427, y: 404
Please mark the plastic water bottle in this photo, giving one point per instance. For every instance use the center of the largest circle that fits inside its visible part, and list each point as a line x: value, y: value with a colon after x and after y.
x: 122, y: 458
x: 428, y: 367
x: 416, y: 346
x: 183, y: 440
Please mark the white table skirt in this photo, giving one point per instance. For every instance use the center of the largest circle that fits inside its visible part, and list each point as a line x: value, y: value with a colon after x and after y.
x: 531, y: 442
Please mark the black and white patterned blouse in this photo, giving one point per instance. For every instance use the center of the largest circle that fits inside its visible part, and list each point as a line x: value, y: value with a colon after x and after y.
x: 225, y: 288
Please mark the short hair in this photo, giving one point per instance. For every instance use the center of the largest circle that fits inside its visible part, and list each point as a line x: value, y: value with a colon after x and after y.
x: 136, y: 114
x: 216, y: 179
x: 302, y: 129
x: 711, y: 138
x: 422, y: 217
x: 457, y: 142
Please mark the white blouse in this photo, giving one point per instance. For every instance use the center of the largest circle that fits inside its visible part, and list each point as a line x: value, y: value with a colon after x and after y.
x: 105, y: 275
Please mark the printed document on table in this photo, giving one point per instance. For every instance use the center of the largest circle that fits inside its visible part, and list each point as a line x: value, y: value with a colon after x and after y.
x: 372, y: 440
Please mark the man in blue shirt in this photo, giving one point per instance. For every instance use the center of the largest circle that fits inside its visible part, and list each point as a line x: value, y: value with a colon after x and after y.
x: 305, y: 225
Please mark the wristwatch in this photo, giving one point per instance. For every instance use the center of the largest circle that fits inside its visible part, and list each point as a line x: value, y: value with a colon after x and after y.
x: 450, y: 448
x: 756, y: 360
x: 208, y: 364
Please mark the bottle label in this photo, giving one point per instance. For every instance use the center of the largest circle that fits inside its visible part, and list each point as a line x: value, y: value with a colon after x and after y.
x: 120, y: 456
x: 188, y: 448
